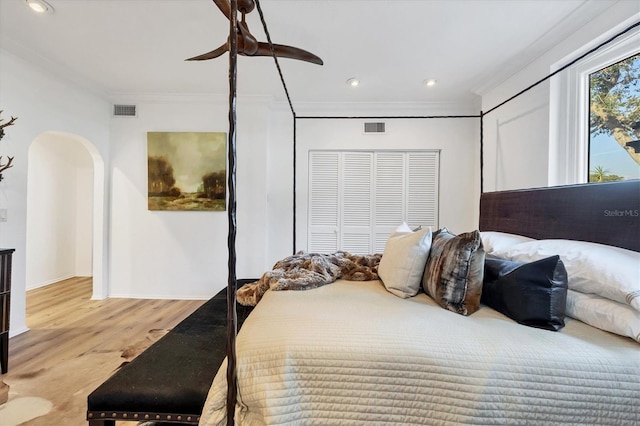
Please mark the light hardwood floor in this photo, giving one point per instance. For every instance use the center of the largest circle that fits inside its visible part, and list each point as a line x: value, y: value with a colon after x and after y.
x: 74, y: 344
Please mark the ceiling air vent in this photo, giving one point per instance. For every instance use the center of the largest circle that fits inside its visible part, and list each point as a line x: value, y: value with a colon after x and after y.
x: 374, y: 127
x: 124, y: 110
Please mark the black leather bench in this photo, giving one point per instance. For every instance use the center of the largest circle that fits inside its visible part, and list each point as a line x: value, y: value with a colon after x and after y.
x: 169, y: 381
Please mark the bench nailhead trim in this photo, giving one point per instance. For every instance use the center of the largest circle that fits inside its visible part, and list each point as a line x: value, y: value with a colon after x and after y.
x: 146, y: 416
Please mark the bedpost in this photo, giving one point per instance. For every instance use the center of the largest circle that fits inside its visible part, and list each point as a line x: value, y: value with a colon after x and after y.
x: 231, y: 212
x: 481, y: 152
x: 295, y: 154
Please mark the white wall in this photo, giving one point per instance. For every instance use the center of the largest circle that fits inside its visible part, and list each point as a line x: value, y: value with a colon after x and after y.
x: 168, y: 254
x: 516, y: 143
x: 517, y: 152
x: 279, y: 185
x: 59, y: 214
x: 183, y: 254
x: 456, y: 138
x: 84, y: 184
x: 42, y: 103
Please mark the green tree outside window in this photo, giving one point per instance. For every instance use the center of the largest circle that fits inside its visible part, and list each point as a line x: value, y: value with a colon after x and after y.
x: 614, y: 118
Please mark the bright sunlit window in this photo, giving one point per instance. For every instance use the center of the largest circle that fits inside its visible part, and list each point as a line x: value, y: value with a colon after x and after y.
x: 594, y: 120
x: 614, y: 121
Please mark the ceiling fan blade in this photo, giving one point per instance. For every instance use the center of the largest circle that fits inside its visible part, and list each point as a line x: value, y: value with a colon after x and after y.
x: 224, y: 6
x: 210, y: 55
x: 283, y: 51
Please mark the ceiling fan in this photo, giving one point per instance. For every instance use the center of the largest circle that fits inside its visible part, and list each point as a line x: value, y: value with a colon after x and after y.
x: 248, y: 45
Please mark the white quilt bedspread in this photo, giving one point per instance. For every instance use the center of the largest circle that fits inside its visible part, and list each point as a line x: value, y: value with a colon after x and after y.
x: 352, y: 353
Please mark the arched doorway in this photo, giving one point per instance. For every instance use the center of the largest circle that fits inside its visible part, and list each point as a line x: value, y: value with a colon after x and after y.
x: 65, y: 211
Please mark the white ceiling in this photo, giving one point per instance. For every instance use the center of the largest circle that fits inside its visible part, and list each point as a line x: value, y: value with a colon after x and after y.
x: 119, y: 47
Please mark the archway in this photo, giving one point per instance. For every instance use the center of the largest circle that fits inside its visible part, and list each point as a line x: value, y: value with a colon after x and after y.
x: 65, y: 211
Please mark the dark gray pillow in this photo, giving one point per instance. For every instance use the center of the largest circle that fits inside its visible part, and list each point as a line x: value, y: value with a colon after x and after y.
x: 533, y: 294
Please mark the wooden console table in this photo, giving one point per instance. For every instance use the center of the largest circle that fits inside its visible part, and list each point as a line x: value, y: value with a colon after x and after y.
x: 5, y: 304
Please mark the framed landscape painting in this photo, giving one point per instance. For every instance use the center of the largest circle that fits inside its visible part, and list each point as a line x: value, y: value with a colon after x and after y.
x: 187, y: 171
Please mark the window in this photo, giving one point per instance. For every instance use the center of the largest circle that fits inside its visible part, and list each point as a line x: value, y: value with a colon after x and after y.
x: 576, y: 148
x: 357, y: 198
x: 614, y: 121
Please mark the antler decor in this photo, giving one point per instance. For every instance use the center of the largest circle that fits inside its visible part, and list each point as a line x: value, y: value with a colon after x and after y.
x: 8, y: 164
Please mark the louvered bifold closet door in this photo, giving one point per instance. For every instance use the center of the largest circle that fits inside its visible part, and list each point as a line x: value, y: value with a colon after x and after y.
x: 358, y: 198
x: 422, y: 188
x: 357, y: 211
x: 406, y: 190
x: 389, y: 200
x: 324, y: 205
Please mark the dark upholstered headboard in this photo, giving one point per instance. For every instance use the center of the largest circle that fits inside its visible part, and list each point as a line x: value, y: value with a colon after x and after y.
x: 605, y: 213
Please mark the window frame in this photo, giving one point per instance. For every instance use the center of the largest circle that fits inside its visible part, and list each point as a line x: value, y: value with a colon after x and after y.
x: 569, y: 104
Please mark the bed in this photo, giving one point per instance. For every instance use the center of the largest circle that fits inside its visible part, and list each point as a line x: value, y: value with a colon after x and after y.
x: 360, y: 352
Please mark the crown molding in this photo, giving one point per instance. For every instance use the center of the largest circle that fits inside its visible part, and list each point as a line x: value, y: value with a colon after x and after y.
x: 186, y: 98
x: 387, y: 109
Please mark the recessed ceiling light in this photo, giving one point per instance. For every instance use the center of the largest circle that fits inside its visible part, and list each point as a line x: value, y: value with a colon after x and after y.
x: 353, y: 82
x: 40, y: 6
x: 430, y: 82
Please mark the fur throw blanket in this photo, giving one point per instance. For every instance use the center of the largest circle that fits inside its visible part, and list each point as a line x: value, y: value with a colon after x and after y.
x: 304, y: 271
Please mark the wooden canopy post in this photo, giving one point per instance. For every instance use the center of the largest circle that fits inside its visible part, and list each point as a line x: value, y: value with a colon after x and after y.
x: 232, y: 329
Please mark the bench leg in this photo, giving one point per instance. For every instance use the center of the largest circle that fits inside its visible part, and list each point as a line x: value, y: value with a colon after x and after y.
x: 4, y: 352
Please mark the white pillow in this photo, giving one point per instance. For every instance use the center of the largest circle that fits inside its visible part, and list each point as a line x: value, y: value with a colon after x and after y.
x: 609, y: 272
x: 404, y: 229
x: 498, y: 241
x: 604, y: 314
x: 403, y: 261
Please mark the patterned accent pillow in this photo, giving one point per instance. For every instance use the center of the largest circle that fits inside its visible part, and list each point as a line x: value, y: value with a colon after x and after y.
x: 455, y: 270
